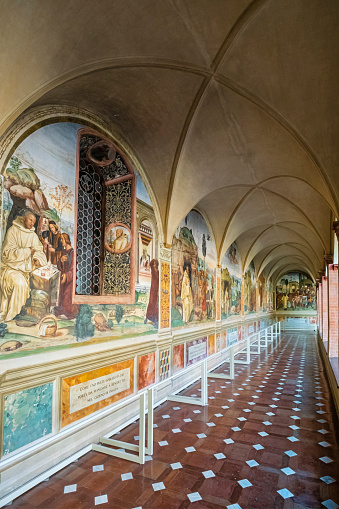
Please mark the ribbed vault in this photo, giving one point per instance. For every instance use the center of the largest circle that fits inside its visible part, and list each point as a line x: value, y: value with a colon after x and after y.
x: 228, y: 107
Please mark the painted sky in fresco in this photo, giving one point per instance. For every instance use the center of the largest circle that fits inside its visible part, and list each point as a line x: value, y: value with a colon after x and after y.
x: 27, y: 416
x: 51, y: 152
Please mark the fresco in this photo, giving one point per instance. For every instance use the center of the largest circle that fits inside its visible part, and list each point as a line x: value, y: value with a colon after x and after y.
x: 165, y: 304
x: 262, y: 294
x: 250, y: 289
x: 164, y: 364
x: 27, y: 416
x: 91, y: 391
x: 218, y: 342
x: 146, y: 370
x: 178, y: 357
x: 211, y: 344
x: 145, y: 252
x: 224, y: 339
x: 37, y: 265
x: 295, y: 292
x: 231, y: 282
x: 196, y: 351
x: 193, y: 272
x: 232, y: 336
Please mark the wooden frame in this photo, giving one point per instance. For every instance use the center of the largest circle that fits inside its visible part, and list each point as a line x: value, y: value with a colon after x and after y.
x: 113, y: 298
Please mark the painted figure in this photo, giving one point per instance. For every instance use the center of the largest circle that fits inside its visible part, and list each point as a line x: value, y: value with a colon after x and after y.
x: 186, y: 297
x: 120, y: 241
x: 65, y: 265
x: 152, y: 313
x: 45, y: 244
x: 285, y: 301
x: 145, y: 260
x: 22, y: 252
x: 55, y: 245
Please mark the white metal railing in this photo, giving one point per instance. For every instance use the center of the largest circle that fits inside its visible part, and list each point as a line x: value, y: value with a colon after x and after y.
x: 270, y: 334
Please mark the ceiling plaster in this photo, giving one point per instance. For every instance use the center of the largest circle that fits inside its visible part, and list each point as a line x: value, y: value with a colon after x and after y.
x: 227, y: 106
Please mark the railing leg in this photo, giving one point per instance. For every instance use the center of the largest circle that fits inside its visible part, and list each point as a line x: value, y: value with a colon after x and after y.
x: 232, y: 362
x: 142, y: 429
x: 266, y: 339
x: 204, y: 389
x: 150, y: 422
x: 248, y: 350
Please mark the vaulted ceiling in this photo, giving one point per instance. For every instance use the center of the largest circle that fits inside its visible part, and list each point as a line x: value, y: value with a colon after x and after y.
x: 230, y: 106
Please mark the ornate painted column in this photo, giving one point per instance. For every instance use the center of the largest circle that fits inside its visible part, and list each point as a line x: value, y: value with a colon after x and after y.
x: 165, y: 289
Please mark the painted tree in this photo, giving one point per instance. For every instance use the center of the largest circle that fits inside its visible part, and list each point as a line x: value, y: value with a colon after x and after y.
x: 204, y: 248
x: 62, y: 198
x: 119, y: 311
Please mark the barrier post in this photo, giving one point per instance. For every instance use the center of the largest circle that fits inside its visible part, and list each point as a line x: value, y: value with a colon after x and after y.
x: 232, y: 362
x: 203, y: 400
x: 142, y: 429
x: 248, y: 352
x: 150, y: 430
x: 204, y: 388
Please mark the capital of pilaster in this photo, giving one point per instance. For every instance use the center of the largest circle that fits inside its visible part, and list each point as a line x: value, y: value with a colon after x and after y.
x: 165, y: 253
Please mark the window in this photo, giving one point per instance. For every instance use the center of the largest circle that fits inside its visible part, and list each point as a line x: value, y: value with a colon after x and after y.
x: 105, y: 219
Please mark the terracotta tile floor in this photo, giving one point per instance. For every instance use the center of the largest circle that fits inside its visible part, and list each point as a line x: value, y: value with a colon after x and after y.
x: 270, y: 443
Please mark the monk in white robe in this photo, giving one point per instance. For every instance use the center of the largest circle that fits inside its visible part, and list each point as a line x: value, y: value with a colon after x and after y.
x: 22, y: 252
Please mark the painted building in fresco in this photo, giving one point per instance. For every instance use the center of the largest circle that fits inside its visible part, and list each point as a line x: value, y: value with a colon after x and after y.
x: 296, y: 291
x: 194, y: 262
x: 231, y: 272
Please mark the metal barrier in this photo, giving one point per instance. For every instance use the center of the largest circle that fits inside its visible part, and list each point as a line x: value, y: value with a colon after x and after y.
x: 203, y: 400
x: 141, y: 448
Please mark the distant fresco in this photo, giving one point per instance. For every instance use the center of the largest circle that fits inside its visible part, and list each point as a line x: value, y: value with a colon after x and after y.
x: 250, y: 289
x: 296, y: 291
x: 262, y: 294
x: 193, y: 272
x: 146, y: 366
x: 211, y: 344
x: 178, y: 357
x: 231, y: 282
x: 196, y: 350
x: 164, y: 364
x: 37, y: 308
x: 27, y: 417
x: 91, y: 391
x: 232, y: 336
x: 146, y: 252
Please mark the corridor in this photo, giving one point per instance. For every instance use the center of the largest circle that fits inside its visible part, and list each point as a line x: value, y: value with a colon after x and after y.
x: 266, y: 440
